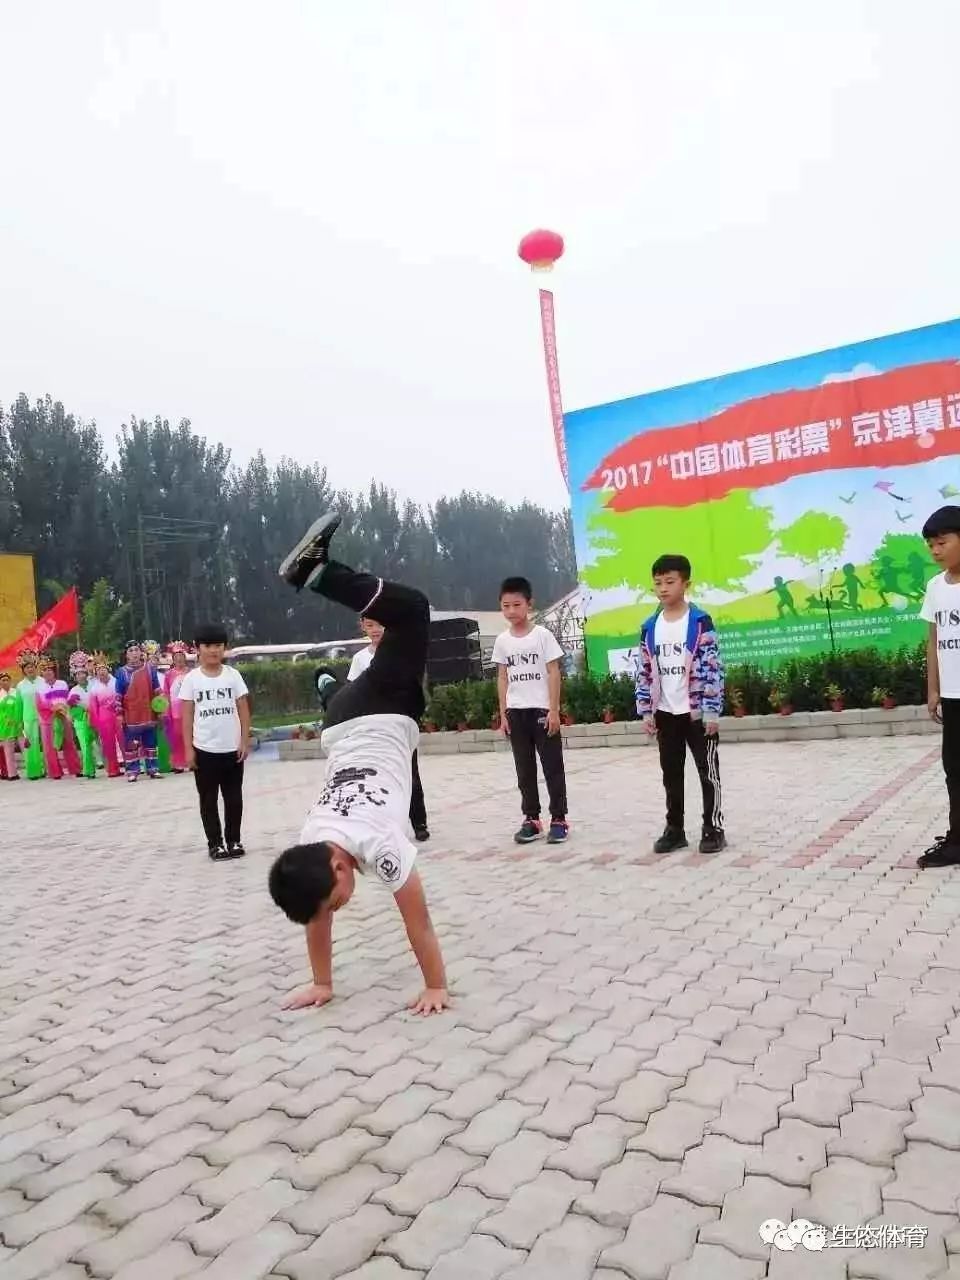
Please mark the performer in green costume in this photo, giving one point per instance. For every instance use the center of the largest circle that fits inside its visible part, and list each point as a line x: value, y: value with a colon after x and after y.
x: 10, y: 727
x: 27, y: 689
x: 79, y: 703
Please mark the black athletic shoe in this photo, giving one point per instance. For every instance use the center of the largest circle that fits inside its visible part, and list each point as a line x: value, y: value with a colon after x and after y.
x: 422, y: 834
x: 559, y: 831
x: 942, y: 853
x: 235, y: 849
x: 310, y: 552
x: 530, y: 829
x: 217, y: 850
x: 713, y: 842
x: 673, y: 838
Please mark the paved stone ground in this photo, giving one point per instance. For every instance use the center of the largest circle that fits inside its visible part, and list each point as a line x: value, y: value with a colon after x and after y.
x: 647, y: 1058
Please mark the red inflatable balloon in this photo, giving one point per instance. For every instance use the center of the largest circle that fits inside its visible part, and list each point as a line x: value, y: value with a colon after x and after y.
x: 540, y: 249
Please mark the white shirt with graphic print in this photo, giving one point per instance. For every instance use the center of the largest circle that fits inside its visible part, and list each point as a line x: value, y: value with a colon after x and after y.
x: 941, y: 606
x: 216, y: 721
x: 364, y: 806
x: 526, y: 658
x: 669, y: 643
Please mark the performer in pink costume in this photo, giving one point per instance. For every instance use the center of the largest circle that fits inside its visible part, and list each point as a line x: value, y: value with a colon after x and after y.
x: 103, y: 714
x: 52, y: 707
x: 173, y: 719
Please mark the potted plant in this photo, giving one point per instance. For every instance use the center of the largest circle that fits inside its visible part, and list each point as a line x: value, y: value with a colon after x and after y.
x: 780, y: 702
x: 883, y: 698
x: 735, y: 698
x: 834, y: 696
x: 296, y: 731
x: 429, y: 726
x: 608, y: 716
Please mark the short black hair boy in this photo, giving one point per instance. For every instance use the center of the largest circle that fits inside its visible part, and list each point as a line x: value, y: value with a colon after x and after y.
x: 672, y: 564
x: 517, y: 586
x: 210, y: 633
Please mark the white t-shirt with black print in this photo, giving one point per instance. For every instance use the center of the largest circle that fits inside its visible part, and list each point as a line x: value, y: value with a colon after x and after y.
x: 669, y: 642
x: 361, y: 660
x: 941, y: 605
x: 526, y: 658
x: 365, y: 803
x: 216, y: 722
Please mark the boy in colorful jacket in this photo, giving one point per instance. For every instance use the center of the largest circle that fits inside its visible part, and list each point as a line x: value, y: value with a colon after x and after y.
x: 680, y: 699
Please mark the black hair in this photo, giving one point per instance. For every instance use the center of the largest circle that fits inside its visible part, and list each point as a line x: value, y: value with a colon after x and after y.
x: 210, y: 633
x: 302, y: 879
x: 516, y: 587
x: 944, y: 520
x: 672, y: 564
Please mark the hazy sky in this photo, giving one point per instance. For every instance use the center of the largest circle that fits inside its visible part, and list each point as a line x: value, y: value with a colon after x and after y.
x: 296, y: 223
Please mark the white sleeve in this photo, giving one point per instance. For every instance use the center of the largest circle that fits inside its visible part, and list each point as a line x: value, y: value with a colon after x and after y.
x: 928, y: 611
x: 552, y: 649
x: 393, y: 864
x: 356, y: 667
x: 499, y: 654
x: 186, y: 693
x: 239, y: 684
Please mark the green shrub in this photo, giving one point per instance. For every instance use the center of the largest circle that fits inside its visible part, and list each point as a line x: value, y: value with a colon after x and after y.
x: 285, y: 688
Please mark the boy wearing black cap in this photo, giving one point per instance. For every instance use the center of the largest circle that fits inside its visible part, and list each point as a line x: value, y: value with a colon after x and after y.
x: 216, y: 736
x: 941, y: 608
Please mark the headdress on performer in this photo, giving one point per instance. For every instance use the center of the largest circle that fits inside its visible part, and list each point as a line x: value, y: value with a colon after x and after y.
x: 176, y: 646
x: 26, y: 657
x: 46, y: 660
x: 99, y: 659
x: 4, y: 675
x: 132, y: 644
x: 151, y: 650
x: 79, y: 661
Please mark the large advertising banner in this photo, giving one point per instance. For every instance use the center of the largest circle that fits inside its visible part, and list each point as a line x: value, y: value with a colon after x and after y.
x: 18, y: 597
x: 797, y: 490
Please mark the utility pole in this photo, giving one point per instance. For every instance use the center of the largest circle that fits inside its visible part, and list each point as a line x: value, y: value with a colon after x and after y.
x: 143, y: 576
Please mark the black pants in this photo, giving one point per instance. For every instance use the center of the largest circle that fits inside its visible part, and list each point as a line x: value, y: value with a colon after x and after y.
x: 529, y: 739
x: 950, y: 748
x: 220, y: 772
x: 393, y: 682
x: 418, y: 805
x: 674, y: 735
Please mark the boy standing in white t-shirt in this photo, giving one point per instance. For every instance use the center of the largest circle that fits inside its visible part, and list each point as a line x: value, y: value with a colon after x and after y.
x: 941, y: 608
x: 528, y: 658
x: 216, y: 739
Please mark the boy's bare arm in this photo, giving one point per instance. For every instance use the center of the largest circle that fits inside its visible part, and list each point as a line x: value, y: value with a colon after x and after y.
x: 502, y: 698
x: 933, y: 674
x: 319, y: 934
x: 554, y: 681
x: 416, y: 917
x: 187, y: 731
x: 243, y: 711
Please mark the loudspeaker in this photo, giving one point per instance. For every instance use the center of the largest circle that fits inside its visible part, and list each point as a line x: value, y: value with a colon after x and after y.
x: 453, y: 628
x: 454, y: 670
x: 454, y: 651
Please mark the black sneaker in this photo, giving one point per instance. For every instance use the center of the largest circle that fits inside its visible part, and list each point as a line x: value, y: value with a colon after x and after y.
x: 713, y: 842
x: 673, y: 838
x: 559, y: 831
x: 311, y: 551
x: 422, y: 834
x: 216, y: 850
x: 942, y: 853
x: 235, y: 849
x: 530, y: 829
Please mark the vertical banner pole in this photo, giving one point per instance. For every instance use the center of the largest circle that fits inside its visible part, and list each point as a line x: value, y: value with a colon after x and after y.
x: 549, y: 329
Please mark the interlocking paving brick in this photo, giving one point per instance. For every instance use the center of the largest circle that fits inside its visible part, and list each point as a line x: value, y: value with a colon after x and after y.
x: 658, y: 1237
x: 937, y: 1118
x: 411, y: 1143
x: 248, y: 1214
x: 142, y: 1236
x: 638, y: 1098
x: 481, y: 1258
x: 328, y: 1122
x: 821, y: 1099
x: 245, y: 1174
x: 336, y: 1197
x: 430, y: 1179
x: 674, y: 1130
x: 49, y: 1251
x: 512, y: 1164
x: 927, y: 1176
x: 253, y: 1256
x: 871, y: 1134
x: 709, y: 1085
x: 345, y: 1246
x: 570, y: 1252
x: 401, y: 1109
x: 534, y: 1208
x: 844, y: 1056
x: 891, y: 1084
x: 743, y: 1210
x: 439, y: 1228
x: 748, y: 1113
x: 708, y: 1173
x: 474, y: 1096
x: 576, y: 1106
x: 171, y: 1261
x: 593, y: 1147
x: 56, y: 1210
x: 792, y: 1153
x: 120, y: 1207
x: 845, y: 1193
x: 625, y: 1188
x: 713, y: 1262
x: 899, y: 1263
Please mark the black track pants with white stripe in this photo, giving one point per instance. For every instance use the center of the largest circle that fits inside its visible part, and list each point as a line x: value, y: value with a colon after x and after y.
x: 674, y: 735
x: 393, y: 682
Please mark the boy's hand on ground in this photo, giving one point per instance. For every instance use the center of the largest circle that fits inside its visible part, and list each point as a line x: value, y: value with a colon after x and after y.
x: 431, y: 1001
x: 650, y: 727
x: 933, y: 707
x: 311, y: 997
x: 553, y: 723
x: 712, y: 727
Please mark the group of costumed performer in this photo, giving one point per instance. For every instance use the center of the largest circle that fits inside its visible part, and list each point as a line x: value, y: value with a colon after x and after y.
x: 133, y: 717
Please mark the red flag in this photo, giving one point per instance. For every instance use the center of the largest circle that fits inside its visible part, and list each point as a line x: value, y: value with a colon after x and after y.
x: 63, y: 618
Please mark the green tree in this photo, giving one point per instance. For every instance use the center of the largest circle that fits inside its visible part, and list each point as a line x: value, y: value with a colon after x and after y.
x: 725, y: 537
x: 814, y: 538
x: 104, y: 620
